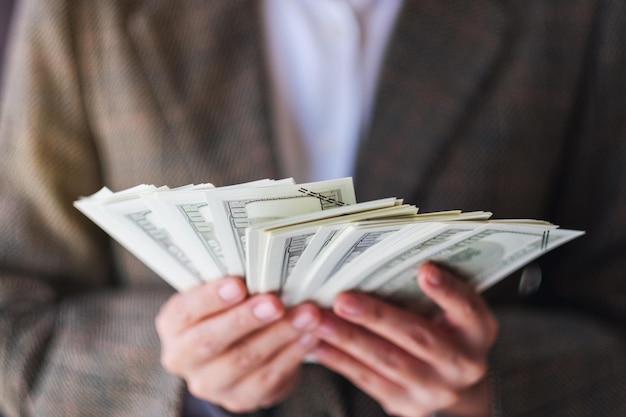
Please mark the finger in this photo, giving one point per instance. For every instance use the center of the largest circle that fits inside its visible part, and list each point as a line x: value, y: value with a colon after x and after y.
x: 379, y: 354
x: 464, y: 309
x: 394, y: 399
x: 187, y: 308
x: 261, y: 348
x: 207, y: 339
x: 276, y: 378
x: 242, y: 402
x: 416, y: 336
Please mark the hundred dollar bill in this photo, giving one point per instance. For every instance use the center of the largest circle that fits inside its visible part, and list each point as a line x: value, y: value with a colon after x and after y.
x: 191, y: 227
x: 358, y: 238
x: 186, y: 215
x: 235, y: 210
x: 348, y: 244
x: 482, y: 257
x: 310, y: 241
x: 278, y: 249
x: 324, y: 236
x: 298, y: 265
x: 128, y: 219
x: 414, y: 240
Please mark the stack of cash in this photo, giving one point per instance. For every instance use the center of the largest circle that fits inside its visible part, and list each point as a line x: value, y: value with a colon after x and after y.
x: 310, y: 241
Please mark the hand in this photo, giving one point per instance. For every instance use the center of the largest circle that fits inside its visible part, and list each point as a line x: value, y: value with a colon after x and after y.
x: 240, y: 352
x: 411, y: 365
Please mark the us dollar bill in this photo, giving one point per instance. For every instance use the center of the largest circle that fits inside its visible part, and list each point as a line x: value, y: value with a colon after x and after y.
x: 128, y: 219
x: 347, y: 245
x: 186, y: 216
x: 236, y: 210
x: 412, y: 242
x: 311, y: 241
x: 144, y: 221
x: 481, y: 257
x: 284, y: 245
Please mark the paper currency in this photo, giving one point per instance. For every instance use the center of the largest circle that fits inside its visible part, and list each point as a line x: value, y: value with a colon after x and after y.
x: 311, y: 241
x: 129, y: 220
x: 280, y: 245
x: 480, y: 253
x: 236, y: 209
x: 349, y: 243
x: 185, y: 213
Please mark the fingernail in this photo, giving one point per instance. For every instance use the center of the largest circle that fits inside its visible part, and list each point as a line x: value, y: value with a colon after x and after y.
x: 433, y: 276
x: 265, y: 311
x: 350, y: 304
x: 229, y: 291
x: 303, y: 320
x: 326, y: 329
x: 307, y: 339
x: 320, y: 352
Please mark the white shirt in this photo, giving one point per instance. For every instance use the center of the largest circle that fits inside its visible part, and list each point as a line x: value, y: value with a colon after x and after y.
x: 324, y: 60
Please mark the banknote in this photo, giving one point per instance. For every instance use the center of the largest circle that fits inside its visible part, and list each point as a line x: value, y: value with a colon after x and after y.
x: 192, y: 228
x: 357, y: 238
x: 185, y: 214
x: 347, y: 245
x: 482, y: 256
x: 311, y: 241
x: 234, y: 210
x: 416, y: 240
x: 280, y: 245
x: 126, y: 217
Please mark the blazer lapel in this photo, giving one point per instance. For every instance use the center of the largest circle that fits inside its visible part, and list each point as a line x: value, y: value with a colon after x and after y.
x: 439, y: 65
x: 224, y: 135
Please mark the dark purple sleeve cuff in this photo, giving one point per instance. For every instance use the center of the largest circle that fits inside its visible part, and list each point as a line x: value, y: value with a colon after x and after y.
x: 195, y: 407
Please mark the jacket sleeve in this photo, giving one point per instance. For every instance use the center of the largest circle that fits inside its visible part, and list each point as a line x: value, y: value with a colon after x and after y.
x: 564, y: 355
x: 73, y: 340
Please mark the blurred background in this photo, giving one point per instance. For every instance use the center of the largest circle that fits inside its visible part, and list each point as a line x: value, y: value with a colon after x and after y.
x: 6, y: 10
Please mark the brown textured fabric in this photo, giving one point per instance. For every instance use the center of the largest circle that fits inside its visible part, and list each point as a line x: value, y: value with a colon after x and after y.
x: 512, y: 106
x: 6, y: 12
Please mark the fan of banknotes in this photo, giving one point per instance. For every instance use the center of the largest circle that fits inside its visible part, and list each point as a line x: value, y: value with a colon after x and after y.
x: 311, y: 241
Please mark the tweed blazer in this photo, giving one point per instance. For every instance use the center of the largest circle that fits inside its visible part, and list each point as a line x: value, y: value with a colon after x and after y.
x: 516, y: 106
x: 6, y: 9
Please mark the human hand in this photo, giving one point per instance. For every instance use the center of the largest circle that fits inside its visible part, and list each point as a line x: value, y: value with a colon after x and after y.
x: 240, y: 352
x: 413, y: 366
